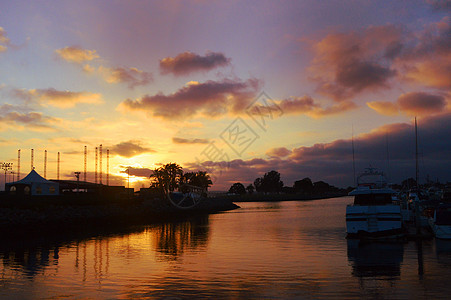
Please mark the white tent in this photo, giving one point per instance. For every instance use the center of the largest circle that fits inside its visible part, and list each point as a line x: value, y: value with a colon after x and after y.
x: 33, y: 184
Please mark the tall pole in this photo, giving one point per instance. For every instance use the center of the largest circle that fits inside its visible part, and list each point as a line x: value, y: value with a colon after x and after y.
x: 353, y: 158
x: 417, y: 171
x: 100, y: 164
x: 107, y: 166
x: 18, y: 165
x: 96, y: 166
x: 58, y: 167
x: 45, y: 164
x: 6, y: 167
x: 32, y: 158
x: 86, y: 158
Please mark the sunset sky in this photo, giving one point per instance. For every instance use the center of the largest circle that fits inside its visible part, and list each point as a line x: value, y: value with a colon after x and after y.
x: 237, y: 88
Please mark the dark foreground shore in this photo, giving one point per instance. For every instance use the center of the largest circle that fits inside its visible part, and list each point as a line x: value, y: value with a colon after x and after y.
x: 34, y: 216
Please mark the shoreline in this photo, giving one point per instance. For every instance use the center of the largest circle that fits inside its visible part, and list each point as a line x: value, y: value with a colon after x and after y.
x: 279, y: 197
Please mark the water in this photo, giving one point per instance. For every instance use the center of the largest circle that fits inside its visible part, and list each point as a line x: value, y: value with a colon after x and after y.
x: 263, y: 250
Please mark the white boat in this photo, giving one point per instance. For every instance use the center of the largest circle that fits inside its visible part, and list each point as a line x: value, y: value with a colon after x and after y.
x: 440, y: 223
x: 373, y: 214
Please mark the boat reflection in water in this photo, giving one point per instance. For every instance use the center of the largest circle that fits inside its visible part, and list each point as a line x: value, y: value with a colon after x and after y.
x: 377, y: 265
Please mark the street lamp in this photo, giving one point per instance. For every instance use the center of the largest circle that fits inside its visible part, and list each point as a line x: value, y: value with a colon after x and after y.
x: 6, y: 166
x: 77, y: 174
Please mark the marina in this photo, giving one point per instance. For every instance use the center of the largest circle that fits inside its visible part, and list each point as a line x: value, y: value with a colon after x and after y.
x: 295, y: 249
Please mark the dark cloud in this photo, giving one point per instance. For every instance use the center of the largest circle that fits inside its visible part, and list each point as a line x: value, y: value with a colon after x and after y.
x: 129, y: 149
x: 302, y: 105
x: 139, y: 172
x: 278, y: 152
x: 417, y: 104
x: 188, y: 62
x: 209, y: 99
x: 178, y: 140
x: 359, y: 75
x: 332, y: 162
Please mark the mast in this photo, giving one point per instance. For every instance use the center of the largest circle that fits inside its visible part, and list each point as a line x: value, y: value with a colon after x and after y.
x: 353, y: 158
x: 416, y: 153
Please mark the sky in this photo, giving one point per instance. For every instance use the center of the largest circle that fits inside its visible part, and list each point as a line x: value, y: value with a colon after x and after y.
x: 234, y: 88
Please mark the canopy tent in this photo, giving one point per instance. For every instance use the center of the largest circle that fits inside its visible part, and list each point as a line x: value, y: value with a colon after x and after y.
x: 33, y: 184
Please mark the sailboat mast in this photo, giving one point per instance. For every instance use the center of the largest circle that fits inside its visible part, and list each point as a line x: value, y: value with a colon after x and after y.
x: 416, y: 153
x: 353, y: 158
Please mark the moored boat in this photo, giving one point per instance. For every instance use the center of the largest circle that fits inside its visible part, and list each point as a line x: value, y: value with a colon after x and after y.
x: 373, y: 214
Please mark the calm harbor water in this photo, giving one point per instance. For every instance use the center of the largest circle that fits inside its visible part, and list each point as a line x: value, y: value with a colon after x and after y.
x: 282, y: 250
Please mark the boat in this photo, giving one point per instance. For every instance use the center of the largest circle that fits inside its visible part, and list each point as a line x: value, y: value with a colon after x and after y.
x: 373, y: 213
x: 440, y: 223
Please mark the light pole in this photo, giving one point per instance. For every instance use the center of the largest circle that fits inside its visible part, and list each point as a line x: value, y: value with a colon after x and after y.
x: 77, y: 174
x: 6, y: 167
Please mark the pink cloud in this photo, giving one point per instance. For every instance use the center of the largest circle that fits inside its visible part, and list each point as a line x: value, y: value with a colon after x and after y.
x: 209, y: 99
x: 188, y: 62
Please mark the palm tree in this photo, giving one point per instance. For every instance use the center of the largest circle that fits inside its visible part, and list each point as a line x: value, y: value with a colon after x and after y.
x: 167, y: 177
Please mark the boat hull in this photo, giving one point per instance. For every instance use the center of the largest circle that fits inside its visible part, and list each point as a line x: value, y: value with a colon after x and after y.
x: 374, y: 221
x: 440, y: 231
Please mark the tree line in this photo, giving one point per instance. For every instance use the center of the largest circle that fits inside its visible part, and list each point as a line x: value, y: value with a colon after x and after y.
x: 270, y: 183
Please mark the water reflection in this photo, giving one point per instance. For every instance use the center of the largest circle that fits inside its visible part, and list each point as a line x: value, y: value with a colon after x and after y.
x: 172, y: 239
x: 375, y: 259
x: 91, y: 251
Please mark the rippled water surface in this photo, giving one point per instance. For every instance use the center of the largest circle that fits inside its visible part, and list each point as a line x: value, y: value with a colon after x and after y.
x: 263, y: 250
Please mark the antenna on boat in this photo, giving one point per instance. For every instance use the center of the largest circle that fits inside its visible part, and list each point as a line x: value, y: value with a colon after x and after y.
x: 416, y: 154
x: 388, y: 158
x: 353, y: 158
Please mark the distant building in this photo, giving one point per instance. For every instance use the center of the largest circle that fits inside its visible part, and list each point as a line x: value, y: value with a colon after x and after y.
x: 33, y: 185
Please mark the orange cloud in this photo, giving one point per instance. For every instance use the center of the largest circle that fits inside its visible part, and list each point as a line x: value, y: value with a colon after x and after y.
x: 188, y: 62
x: 130, y: 149
x: 61, y: 99
x: 76, y: 54
x: 131, y: 76
x: 32, y: 121
x: 178, y: 140
x: 209, y: 99
x: 384, y: 107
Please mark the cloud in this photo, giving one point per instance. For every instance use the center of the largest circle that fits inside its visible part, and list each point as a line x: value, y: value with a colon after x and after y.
x: 188, y: 62
x: 428, y: 59
x: 178, y: 140
x: 32, y: 121
x: 129, y: 149
x: 384, y: 107
x: 346, y: 64
x: 131, y: 76
x: 412, y: 104
x: 421, y: 103
x: 3, y: 40
x: 332, y: 162
x: 444, y: 5
x: 303, y: 105
x: 209, y: 99
x: 278, y: 152
x: 56, y: 98
x: 139, y: 172
x: 76, y: 54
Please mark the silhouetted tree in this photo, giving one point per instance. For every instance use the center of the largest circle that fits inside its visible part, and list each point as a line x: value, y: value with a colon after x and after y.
x: 167, y: 177
x: 269, y: 183
x: 303, y: 186
x: 321, y: 187
x: 258, y: 184
x: 237, y: 188
x: 250, y: 189
x: 199, y: 178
